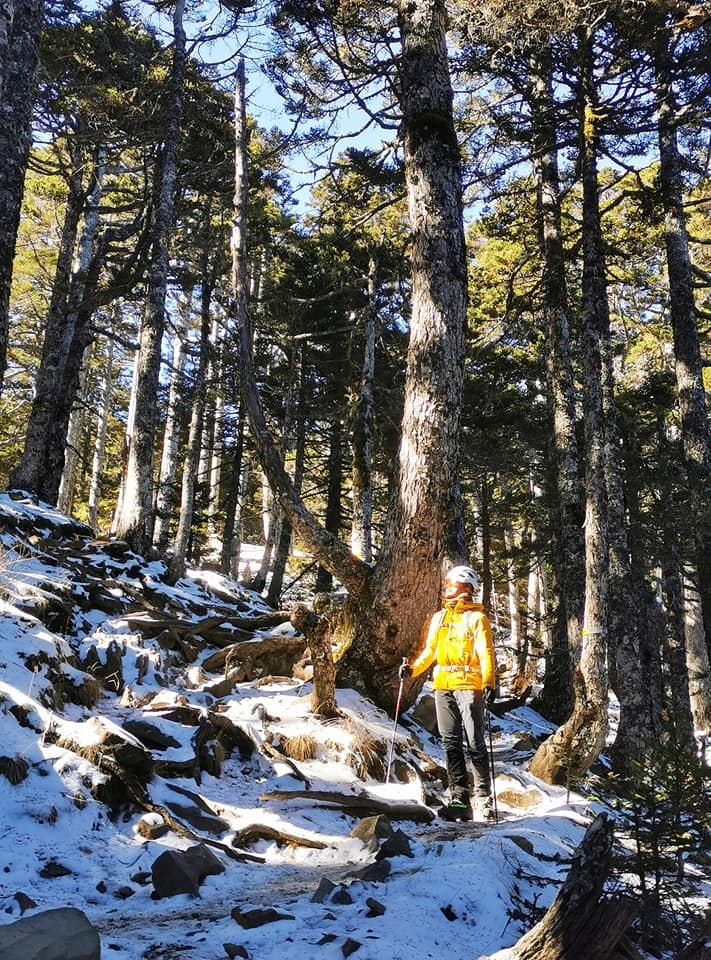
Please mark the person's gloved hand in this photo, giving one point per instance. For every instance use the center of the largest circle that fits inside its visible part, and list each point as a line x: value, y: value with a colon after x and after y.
x: 489, y: 696
x: 405, y: 670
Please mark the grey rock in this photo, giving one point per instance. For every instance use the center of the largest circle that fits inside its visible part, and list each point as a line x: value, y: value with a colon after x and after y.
x: 61, y: 934
x: 182, y: 871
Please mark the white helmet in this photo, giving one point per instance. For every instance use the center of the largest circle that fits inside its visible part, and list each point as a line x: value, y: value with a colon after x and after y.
x: 463, y: 575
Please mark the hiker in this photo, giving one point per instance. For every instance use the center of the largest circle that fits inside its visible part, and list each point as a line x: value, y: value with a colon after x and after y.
x: 460, y: 644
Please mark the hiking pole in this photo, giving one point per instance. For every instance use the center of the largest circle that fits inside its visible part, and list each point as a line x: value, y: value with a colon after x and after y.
x: 397, y: 711
x: 493, y: 771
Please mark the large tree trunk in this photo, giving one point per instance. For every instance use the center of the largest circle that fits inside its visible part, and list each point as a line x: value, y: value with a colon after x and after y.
x: 15, y: 140
x: 388, y: 604
x: 135, y: 520
x: 568, y: 559
x: 568, y: 753
x: 687, y: 353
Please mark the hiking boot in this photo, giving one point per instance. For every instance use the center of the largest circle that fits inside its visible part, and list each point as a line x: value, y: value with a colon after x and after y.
x: 485, y: 808
x: 456, y: 812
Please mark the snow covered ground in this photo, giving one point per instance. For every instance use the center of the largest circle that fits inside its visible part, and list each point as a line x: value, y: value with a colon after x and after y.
x: 456, y: 891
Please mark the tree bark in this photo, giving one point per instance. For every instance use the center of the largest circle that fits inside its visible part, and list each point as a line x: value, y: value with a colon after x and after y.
x: 15, y: 141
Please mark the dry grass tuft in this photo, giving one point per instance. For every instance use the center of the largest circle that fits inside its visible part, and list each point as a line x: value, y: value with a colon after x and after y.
x: 302, y: 747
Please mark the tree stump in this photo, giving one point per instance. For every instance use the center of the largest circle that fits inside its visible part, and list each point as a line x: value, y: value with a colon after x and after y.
x: 317, y: 630
x: 580, y: 925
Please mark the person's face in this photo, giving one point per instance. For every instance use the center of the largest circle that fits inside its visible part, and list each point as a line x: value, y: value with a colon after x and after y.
x: 453, y: 589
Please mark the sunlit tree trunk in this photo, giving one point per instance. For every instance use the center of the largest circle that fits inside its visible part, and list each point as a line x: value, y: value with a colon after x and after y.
x: 16, y: 96
x: 135, y: 521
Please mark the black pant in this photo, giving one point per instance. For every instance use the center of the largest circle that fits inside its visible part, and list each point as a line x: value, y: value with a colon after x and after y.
x: 460, y: 718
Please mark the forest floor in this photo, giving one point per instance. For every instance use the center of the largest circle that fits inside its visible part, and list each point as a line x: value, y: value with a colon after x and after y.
x: 285, y: 804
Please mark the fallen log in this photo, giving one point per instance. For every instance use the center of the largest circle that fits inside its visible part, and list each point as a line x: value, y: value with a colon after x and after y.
x: 361, y: 805
x: 581, y: 924
x: 255, y: 832
x: 275, y: 655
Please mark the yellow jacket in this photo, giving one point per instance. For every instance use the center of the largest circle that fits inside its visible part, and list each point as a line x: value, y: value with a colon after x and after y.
x: 460, y: 643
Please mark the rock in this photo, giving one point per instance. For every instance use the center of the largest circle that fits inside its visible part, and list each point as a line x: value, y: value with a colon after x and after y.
x: 26, y: 903
x: 324, y: 890
x: 350, y: 946
x: 249, y: 919
x: 182, y: 871
x: 378, y: 835
x: 375, y: 907
x: 61, y: 934
x: 425, y: 715
x: 342, y: 897
x: 53, y: 869
x: 373, y: 872
x: 235, y: 950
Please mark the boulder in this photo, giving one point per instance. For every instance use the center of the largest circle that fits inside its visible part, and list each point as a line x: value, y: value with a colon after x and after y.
x: 61, y: 934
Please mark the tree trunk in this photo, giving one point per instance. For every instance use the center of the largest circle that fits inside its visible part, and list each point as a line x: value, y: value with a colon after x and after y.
x: 677, y: 678
x: 568, y: 559
x: 135, y: 521
x: 388, y: 603
x: 231, y: 536
x: 75, y: 437
x: 361, y: 419
x: 102, y: 420
x: 15, y: 140
x: 192, y: 455
x: 569, y: 752
x: 281, y: 555
x: 166, y: 494
x: 7, y: 12
x: 687, y: 353
x: 512, y: 580
x: 697, y: 660
x: 581, y: 923
x: 31, y: 472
